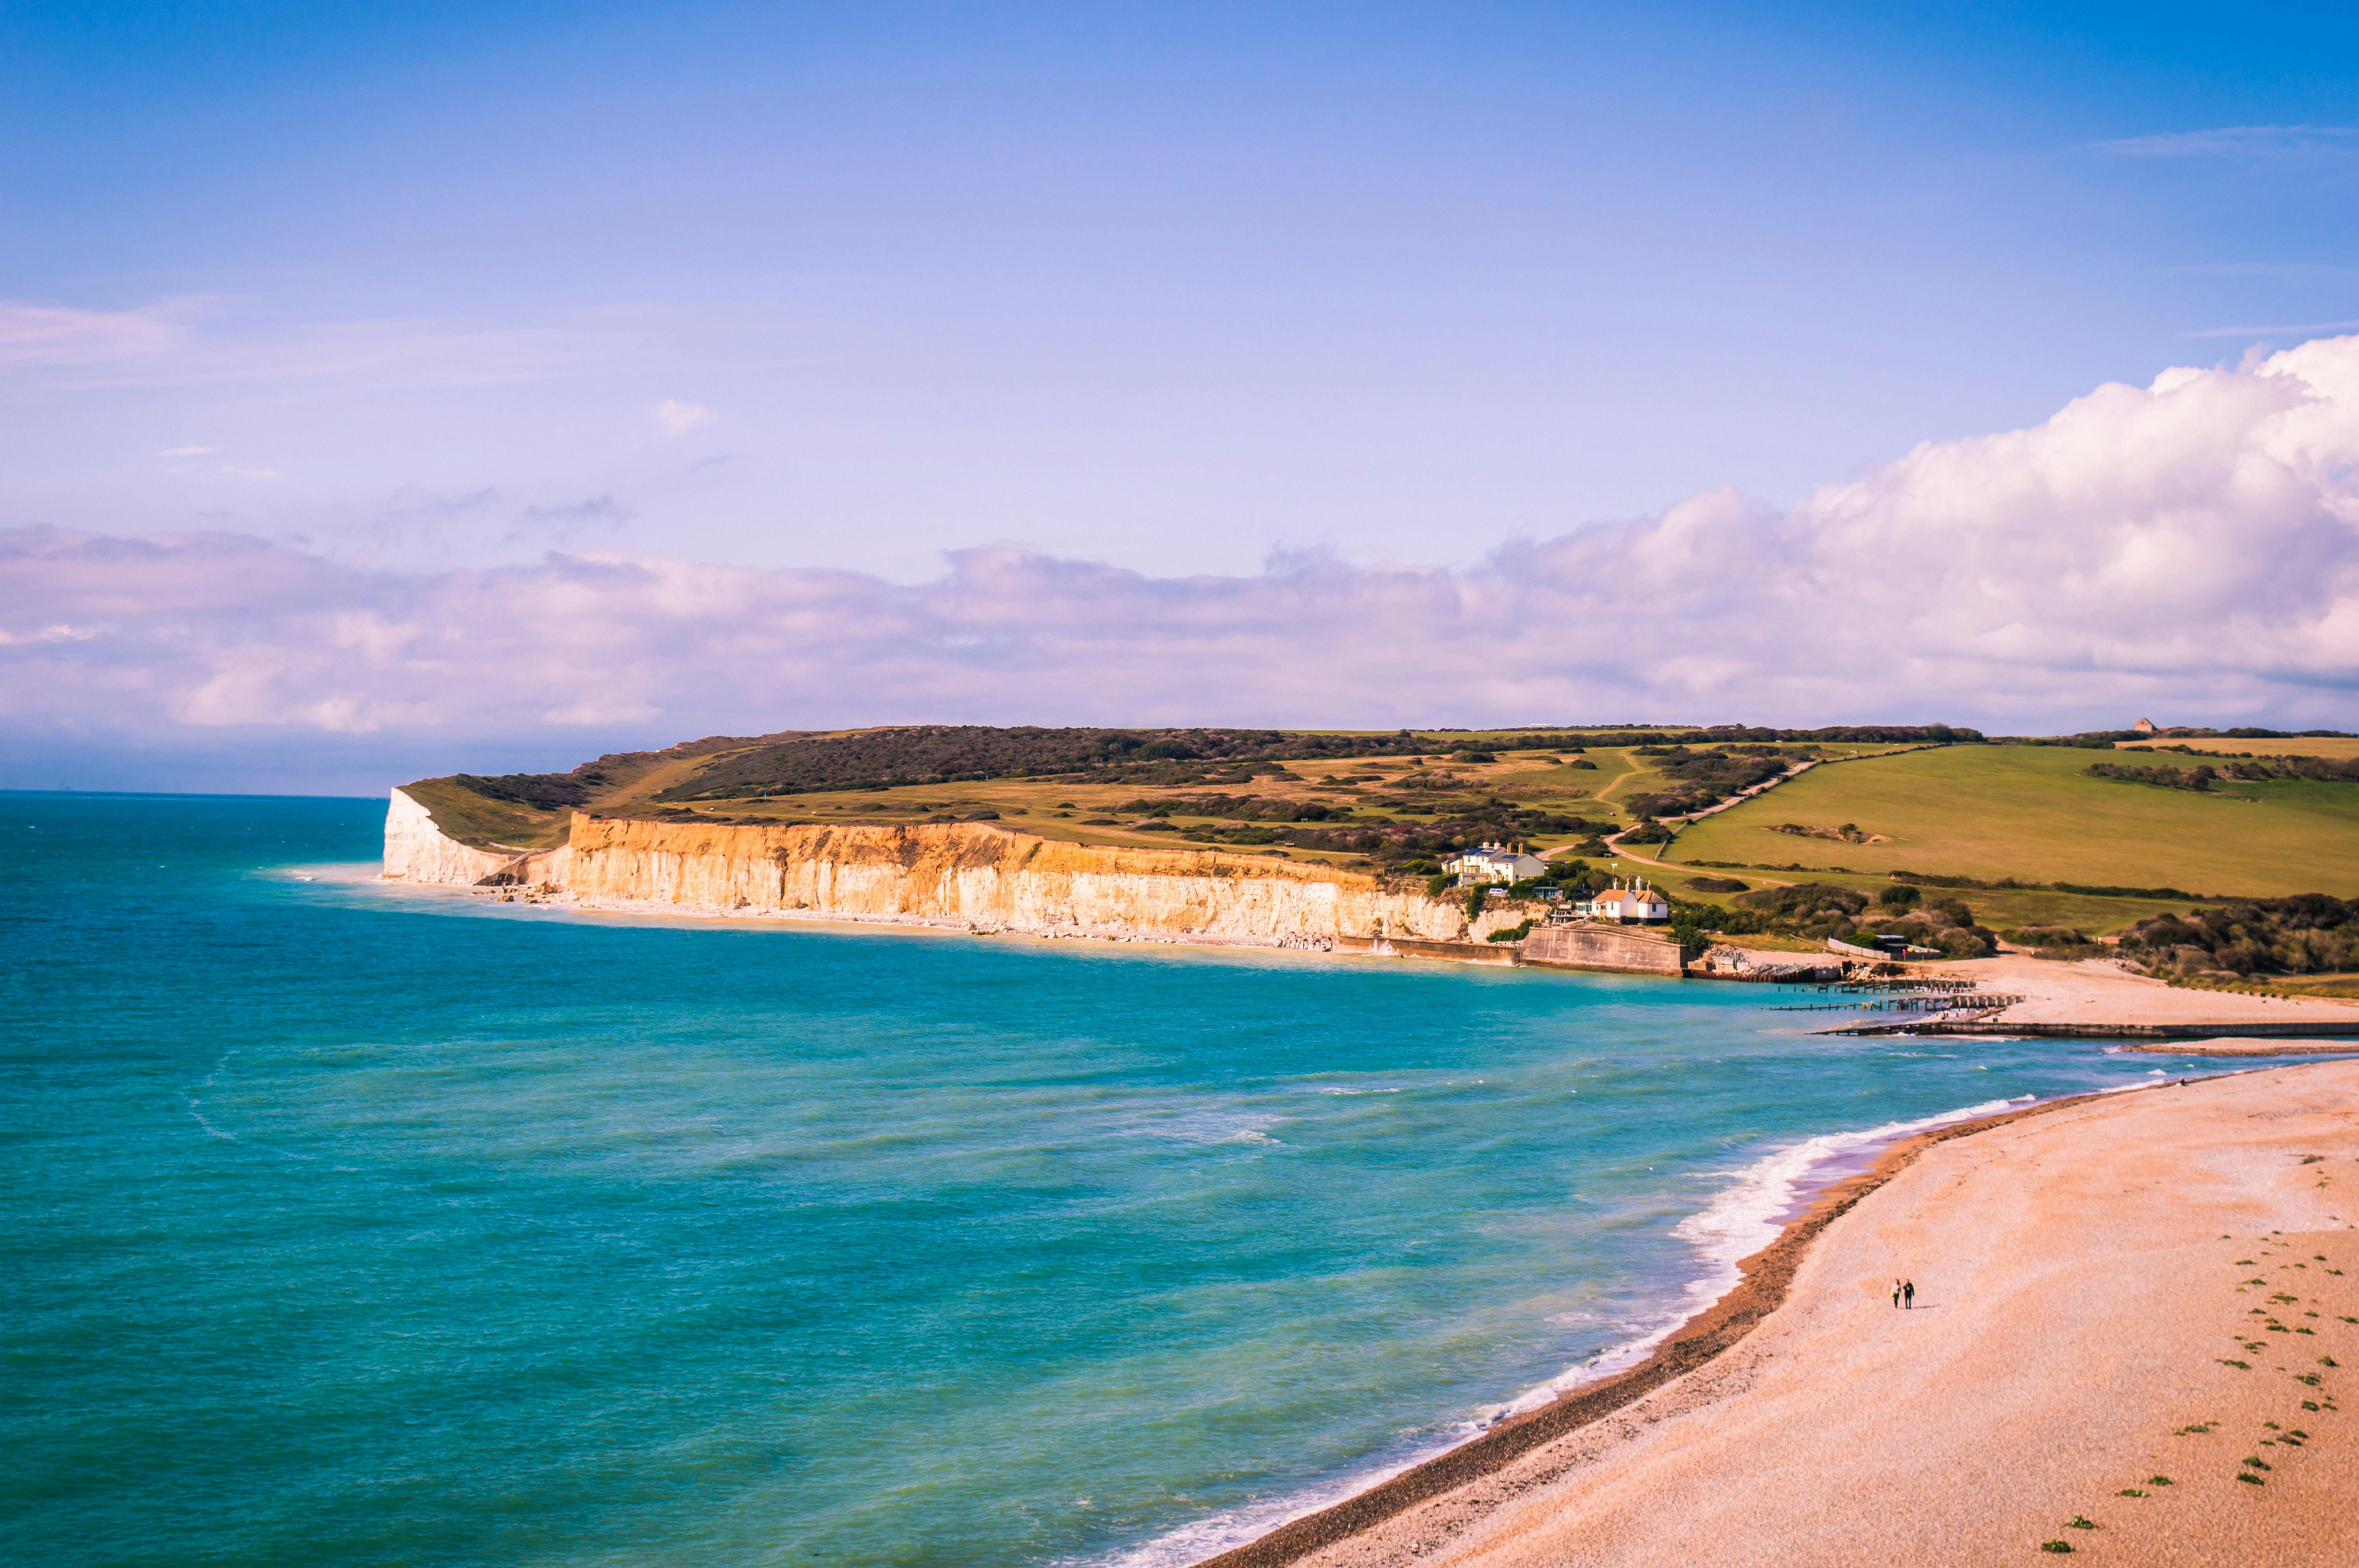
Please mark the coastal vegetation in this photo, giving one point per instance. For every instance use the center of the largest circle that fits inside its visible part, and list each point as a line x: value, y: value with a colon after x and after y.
x: 2243, y: 766
x: 2196, y: 778
x: 1375, y: 800
x: 1698, y: 779
x: 2310, y: 934
x: 1819, y: 911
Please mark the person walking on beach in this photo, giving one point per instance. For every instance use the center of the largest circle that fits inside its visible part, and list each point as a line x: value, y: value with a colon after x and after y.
x: 1896, y: 1293
x: 1909, y: 1296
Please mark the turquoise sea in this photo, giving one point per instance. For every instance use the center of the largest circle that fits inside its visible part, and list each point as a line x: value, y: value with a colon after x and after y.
x: 362, y: 1226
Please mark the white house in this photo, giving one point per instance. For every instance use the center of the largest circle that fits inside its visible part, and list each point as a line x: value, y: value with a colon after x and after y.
x: 1496, y: 863
x: 1636, y: 904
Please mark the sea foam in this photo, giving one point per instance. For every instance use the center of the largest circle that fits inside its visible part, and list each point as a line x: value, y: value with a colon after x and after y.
x: 1741, y: 1220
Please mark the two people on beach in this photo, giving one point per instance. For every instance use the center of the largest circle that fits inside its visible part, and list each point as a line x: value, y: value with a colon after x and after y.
x: 1904, y: 1295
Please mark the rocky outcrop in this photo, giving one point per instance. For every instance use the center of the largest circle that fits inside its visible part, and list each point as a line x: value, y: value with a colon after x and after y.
x: 971, y: 874
x: 418, y: 850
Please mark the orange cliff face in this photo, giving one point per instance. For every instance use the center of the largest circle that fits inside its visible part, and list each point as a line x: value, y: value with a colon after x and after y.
x: 960, y: 873
x: 979, y: 875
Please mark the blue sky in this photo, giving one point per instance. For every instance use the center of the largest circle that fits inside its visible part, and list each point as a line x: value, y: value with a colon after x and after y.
x: 1168, y: 287
x: 438, y: 287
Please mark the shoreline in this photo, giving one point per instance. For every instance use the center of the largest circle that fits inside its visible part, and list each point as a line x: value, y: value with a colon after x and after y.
x: 1764, y: 1280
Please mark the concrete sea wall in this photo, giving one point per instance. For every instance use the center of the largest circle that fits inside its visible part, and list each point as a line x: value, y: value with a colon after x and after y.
x: 1634, y: 950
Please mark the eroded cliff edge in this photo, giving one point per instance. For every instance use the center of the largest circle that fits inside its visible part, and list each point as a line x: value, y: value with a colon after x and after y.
x: 964, y: 873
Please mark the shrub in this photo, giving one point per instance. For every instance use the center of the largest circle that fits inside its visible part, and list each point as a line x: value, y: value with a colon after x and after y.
x: 2306, y: 934
x: 1901, y: 897
x: 1717, y: 884
x: 1964, y: 944
x: 1805, y: 900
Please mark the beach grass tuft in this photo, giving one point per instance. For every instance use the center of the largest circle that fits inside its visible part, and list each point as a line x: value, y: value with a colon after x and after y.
x: 2077, y: 1522
x: 2055, y: 1546
x: 2129, y: 1492
x: 2160, y: 1481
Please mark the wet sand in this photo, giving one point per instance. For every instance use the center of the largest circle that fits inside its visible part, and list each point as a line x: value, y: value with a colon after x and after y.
x: 2097, y: 1280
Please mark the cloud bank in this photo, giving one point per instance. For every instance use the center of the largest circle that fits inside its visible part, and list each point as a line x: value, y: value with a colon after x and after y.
x: 2190, y: 548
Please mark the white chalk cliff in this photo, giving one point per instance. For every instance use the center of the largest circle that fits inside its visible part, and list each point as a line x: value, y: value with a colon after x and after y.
x: 974, y: 874
x: 418, y: 850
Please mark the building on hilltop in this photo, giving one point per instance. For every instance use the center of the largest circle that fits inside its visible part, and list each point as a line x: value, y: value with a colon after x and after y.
x: 2144, y: 726
x: 1494, y: 863
x: 1636, y: 904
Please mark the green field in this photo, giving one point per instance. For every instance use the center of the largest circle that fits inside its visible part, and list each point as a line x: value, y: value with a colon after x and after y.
x: 2033, y: 813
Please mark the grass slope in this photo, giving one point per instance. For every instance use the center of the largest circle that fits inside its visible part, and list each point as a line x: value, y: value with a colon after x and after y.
x: 2032, y: 812
x: 472, y: 818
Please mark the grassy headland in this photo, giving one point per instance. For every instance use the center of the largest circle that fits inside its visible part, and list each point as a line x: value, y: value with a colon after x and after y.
x: 2005, y: 837
x: 1375, y: 800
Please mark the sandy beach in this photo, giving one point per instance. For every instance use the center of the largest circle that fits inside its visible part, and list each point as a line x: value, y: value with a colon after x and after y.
x: 2101, y: 991
x: 2097, y: 997
x: 2111, y: 1290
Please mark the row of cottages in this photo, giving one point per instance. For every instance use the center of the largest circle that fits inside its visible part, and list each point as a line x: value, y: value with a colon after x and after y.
x: 1494, y: 863
x: 1636, y: 904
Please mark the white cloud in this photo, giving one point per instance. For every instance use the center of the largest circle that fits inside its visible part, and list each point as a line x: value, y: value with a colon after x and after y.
x: 676, y: 418
x: 2270, y: 332
x: 60, y: 633
x: 264, y: 474
x: 34, y: 334
x: 185, y: 451
x: 2189, y: 549
x: 2238, y: 141
x: 208, y: 341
